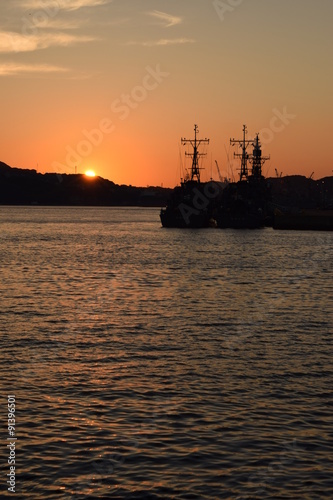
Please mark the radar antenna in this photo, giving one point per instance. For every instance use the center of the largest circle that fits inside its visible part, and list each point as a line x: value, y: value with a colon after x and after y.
x: 243, y: 155
x: 195, y: 169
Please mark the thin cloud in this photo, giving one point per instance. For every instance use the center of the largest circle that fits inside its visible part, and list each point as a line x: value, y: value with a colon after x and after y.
x: 168, y: 19
x: 68, y: 5
x: 14, y: 42
x: 163, y: 41
x: 17, y: 68
x: 60, y: 24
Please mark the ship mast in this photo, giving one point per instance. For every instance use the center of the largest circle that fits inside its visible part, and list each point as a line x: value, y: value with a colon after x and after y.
x: 195, y: 169
x: 257, y: 159
x: 243, y: 155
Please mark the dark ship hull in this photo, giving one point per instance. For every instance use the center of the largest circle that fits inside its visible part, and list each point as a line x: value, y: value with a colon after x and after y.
x: 245, y: 205
x: 311, y: 220
x: 238, y: 205
x: 192, y: 205
x: 240, y: 221
x: 173, y: 218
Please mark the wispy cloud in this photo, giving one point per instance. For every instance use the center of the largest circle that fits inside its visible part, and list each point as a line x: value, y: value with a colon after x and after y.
x: 18, y: 68
x: 60, y: 24
x: 15, y: 42
x: 68, y: 5
x: 167, y: 19
x: 163, y: 41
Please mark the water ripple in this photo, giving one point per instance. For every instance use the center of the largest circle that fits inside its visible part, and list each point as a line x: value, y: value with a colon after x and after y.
x: 153, y: 364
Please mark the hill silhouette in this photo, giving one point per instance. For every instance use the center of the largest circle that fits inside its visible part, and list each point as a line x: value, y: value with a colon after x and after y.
x: 28, y: 187
x: 302, y: 192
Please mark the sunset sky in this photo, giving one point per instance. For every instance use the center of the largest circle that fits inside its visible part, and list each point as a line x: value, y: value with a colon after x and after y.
x: 112, y: 86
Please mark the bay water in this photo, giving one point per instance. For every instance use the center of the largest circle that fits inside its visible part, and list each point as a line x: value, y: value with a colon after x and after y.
x: 152, y: 363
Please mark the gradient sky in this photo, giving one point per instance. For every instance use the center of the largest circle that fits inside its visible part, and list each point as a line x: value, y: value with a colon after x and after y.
x: 113, y: 85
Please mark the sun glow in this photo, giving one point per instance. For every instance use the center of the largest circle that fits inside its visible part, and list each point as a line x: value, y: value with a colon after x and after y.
x: 90, y: 173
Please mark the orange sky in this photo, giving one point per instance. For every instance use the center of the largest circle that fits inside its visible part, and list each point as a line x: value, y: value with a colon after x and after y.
x: 113, y: 85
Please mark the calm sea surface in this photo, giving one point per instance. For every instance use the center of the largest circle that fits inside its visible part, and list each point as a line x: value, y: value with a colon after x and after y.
x: 152, y: 363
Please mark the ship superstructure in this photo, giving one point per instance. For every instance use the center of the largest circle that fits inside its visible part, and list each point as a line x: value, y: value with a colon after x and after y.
x: 256, y: 158
x: 245, y: 203
x: 195, y: 143
x: 193, y: 203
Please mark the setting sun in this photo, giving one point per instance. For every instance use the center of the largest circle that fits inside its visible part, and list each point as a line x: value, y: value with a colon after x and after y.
x: 90, y: 173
